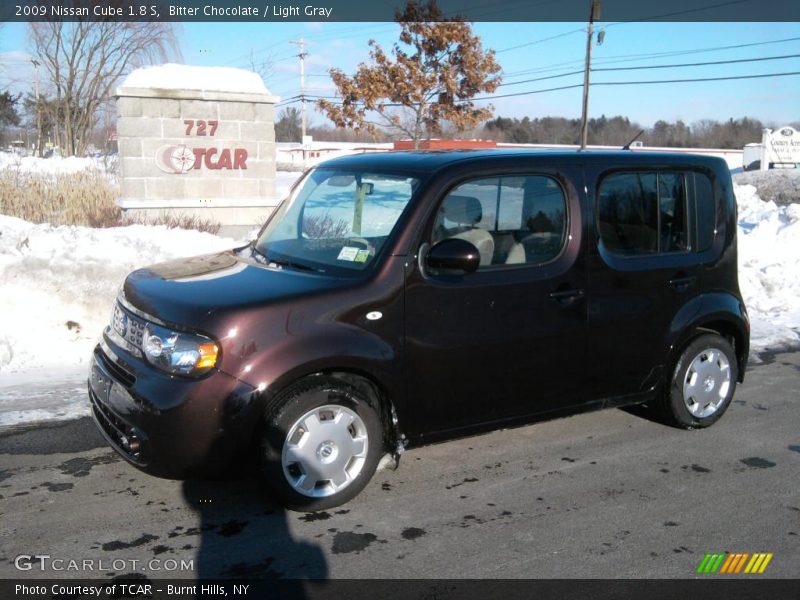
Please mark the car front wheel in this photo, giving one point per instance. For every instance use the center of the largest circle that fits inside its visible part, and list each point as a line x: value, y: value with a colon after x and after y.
x: 321, y: 443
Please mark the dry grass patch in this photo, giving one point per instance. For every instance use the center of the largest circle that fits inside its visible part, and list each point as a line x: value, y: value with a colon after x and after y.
x: 85, y: 198
x: 176, y: 220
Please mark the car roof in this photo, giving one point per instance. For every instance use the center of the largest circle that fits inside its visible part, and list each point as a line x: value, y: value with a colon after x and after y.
x: 428, y: 161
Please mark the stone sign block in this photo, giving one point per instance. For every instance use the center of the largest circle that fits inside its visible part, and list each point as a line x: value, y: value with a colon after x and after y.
x: 198, y: 141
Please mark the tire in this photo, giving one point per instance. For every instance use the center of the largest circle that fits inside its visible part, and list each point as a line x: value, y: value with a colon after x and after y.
x: 702, y: 385
x: 321, y: 443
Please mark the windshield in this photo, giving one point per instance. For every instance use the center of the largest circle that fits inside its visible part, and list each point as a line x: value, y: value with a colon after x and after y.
x: 336, y: 220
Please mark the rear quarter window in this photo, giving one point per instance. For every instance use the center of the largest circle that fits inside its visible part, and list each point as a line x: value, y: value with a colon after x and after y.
x: 644, y: 213
x: 705, y: 211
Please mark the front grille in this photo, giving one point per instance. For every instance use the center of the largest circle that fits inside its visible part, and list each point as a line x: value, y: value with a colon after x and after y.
x: 115, y: 370
x: 123, y: 437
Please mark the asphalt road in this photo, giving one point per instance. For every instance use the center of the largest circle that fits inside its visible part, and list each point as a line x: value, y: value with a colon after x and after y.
x: 606, y: 494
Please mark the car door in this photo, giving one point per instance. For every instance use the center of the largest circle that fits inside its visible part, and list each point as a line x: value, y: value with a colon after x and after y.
x: 643, y: 271
x: 509, y: 339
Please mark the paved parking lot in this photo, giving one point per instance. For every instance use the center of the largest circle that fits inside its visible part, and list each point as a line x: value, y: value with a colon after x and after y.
x: 605, y: 494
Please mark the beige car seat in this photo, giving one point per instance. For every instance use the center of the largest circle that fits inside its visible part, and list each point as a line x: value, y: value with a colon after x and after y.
x: 516, y: 256
x: 466, y: 211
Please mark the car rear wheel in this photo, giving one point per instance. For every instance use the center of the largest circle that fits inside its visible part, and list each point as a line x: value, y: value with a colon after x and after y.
x: 702, y: 385
x: 321, y: 443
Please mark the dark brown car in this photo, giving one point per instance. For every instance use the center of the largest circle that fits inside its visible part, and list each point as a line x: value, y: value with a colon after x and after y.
x: 403, y: 298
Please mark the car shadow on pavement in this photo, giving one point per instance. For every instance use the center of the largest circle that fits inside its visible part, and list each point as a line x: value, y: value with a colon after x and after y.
x: 242, y: 535
x: 644, y: 412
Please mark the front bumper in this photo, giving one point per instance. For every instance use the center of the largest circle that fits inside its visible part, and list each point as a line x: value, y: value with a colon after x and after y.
x: 166, y: 425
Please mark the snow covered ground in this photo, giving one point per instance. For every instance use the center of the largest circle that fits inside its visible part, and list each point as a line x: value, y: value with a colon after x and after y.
x: 56, y: 166
x: 59, y: 283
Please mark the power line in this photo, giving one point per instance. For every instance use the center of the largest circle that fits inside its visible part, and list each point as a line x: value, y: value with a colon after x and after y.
x: 678, y: 12
x: 700, y: 64
x: 636, y: 57
x: 645, y: 82
x: 547, y: 39
x: 336, y: 100
x: 643, y: 19
x: 567, y: 74
x: 642, y: 67
x: 543, y: 78
x: 318, y: 36
x: 732, y: 77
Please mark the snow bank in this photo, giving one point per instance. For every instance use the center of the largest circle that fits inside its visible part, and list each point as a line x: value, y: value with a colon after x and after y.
x: 59, y: 284
x: 781, y: 186
x: 769, y: 269
x: 185, y: 77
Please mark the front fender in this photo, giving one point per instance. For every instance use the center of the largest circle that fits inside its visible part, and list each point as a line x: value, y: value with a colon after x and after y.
x: 344, y: 348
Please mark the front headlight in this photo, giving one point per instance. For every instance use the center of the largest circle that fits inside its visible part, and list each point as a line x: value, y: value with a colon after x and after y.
x: 178, y: 352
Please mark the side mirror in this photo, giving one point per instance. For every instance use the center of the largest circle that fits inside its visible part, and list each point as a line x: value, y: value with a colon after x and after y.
x: 453, y: 255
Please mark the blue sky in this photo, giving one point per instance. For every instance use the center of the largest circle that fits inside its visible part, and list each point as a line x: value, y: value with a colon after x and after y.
x: 344, y: 45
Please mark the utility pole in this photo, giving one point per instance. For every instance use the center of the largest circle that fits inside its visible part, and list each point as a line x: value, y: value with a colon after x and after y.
x: 36, y: 64
x: 594, y: 14
x: 302, y: 55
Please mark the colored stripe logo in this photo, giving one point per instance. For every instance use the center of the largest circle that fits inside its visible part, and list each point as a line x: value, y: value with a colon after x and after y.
x: 734, y: 563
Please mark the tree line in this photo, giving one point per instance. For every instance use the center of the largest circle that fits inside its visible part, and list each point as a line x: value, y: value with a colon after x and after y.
x: 603, y: 131
x: 619, y: 130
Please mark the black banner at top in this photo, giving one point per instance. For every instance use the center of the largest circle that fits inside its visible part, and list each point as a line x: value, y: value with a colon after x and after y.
x: 360, y: 10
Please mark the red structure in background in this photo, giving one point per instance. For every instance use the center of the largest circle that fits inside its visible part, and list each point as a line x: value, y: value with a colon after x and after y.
x: 444, y: 144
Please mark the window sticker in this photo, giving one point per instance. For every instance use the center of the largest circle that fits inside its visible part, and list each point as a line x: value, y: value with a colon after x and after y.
x: 348, y: 253
x: 362, y: 256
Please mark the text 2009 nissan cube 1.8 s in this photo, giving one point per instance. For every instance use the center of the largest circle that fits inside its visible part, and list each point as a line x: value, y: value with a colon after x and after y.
x: 403, y: 298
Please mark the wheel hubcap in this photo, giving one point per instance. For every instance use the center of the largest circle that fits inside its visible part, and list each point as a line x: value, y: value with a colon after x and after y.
x: 325, y: 451
x: 707, y: 382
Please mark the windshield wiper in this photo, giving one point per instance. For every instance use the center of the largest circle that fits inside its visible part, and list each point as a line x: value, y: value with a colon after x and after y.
x: 258, y: 252
x: 292, y: 265
x: 283, y: 262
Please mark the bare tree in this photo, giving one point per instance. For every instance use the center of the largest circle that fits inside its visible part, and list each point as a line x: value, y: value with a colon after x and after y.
x: 438, y: 68
x: 264, y: 65
x: 83, y: 61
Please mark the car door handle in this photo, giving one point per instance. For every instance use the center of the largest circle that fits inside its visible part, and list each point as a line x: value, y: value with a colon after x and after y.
x: 567, y: 297
x: 681, y: 284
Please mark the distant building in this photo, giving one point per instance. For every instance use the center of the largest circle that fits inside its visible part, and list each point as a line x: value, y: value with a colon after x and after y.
x: 779, y: 149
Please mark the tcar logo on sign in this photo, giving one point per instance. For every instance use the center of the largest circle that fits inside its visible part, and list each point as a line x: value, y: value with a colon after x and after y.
x: 175, y: 159
x: 179, y: 159
x: 734, y: 563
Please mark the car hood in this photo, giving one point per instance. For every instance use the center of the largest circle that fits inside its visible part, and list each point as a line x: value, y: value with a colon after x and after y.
x: 195, y: 291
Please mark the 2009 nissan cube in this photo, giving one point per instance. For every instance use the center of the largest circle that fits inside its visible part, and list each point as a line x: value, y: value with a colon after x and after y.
x: 403, y: 298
